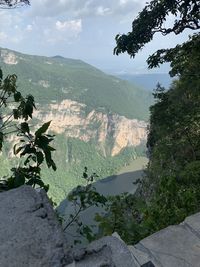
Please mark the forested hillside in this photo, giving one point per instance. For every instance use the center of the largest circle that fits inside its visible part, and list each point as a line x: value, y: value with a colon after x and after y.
x: 57, y: 78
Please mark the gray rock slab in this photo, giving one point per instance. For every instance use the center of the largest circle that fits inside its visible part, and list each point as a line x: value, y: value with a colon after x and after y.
x: 193, y: 222
x: 173, y: 246
x: 30, y: 235
x: 105, y: 252
x: 141, y: 256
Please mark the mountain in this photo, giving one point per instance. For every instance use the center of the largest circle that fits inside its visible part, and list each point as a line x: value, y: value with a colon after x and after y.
x: 57, y: 78
x: 99, y: 120
x: 148, y: 81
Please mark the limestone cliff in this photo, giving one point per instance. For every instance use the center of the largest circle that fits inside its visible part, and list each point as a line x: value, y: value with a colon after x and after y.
x: 69, y: 117
x: 8, y: 57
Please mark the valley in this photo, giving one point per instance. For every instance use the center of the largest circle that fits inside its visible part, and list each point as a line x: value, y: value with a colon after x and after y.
x: 99, y: 120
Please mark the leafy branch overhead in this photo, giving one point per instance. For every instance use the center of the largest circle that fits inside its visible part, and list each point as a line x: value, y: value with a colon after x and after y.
x: 152, y: 19
x: 13, y: 3
x: 32, y: 148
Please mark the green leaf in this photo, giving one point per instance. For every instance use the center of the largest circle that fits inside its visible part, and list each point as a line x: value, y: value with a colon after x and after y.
x: 25, y: 127
x: 1, y: 74
x: 1, y: 140
x: 16, y: 114
x: 17, y: 96
x: 51, y: 148
x: 40, y: 157
x: 17, y: 150
x: 28, y: 149
x: 42, y: 129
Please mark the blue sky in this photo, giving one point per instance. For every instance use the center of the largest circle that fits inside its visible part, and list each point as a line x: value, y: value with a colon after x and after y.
x: 83, y: 29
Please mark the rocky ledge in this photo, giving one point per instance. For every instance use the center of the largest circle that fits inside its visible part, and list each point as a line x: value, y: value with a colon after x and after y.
x: 30, y: 235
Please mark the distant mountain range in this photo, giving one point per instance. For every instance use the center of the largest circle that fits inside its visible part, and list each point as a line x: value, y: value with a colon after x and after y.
x: 148, y: 81
x: 99, y: 120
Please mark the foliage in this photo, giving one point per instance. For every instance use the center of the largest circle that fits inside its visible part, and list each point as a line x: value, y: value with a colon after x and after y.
x: 173, y: 178
x: 151, y: 20
x: 178, y: 58
x: 82, y: 198
x: 15, y: 112
x: 122, y: 215
x: 171, y: 187
x: 172, y: 184
x: 13, y: 3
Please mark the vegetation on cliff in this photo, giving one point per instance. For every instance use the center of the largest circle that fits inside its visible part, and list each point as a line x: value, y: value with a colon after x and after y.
x: 170, y: 191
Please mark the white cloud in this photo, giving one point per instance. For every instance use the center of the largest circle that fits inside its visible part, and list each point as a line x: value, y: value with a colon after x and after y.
x: 29, y: 28
x: 58, y: 31
x: 75, y: 26
x: 123, y: 2
x: 80, y: 8
x: 101, y: 11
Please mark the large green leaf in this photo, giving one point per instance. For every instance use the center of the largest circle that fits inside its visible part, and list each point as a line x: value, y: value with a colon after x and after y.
x: 42, y: 129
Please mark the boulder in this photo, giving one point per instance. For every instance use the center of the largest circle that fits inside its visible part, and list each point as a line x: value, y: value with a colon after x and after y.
x: 176, y: 245
x: 108, y: 251
x: 30, y: 234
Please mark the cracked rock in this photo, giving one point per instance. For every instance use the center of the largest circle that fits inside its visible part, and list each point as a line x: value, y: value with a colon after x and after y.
x: 30, y: 234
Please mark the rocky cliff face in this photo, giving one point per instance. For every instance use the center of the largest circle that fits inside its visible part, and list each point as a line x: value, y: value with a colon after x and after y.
x: 69, y: 117
x: 8, y: 57
x: 52, y: 79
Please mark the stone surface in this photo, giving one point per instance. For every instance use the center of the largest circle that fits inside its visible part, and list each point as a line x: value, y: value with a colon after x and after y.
x: 106, y: 252
x: 173, y: 246
x: 30, y: 235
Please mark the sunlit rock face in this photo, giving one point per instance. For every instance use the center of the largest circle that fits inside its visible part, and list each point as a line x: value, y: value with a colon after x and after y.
x: 8, y: 57
x: 110, y: 132
x: 69, y: 117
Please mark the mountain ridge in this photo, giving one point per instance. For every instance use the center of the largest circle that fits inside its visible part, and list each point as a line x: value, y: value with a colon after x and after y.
x: 76, y: 80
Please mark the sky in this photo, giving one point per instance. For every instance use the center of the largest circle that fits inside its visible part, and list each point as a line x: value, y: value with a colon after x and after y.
x: 80, y: 29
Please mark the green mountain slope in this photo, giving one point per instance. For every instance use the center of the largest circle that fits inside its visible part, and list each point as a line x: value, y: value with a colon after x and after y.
x: 57, y: 78
x: 103, y: 130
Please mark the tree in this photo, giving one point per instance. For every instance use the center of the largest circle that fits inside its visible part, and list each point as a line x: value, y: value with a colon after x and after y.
x: 82, y: 198
x: 15, y: 114
x: 150, y: 21
x: 172, y: 183
x: 13, y: 3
